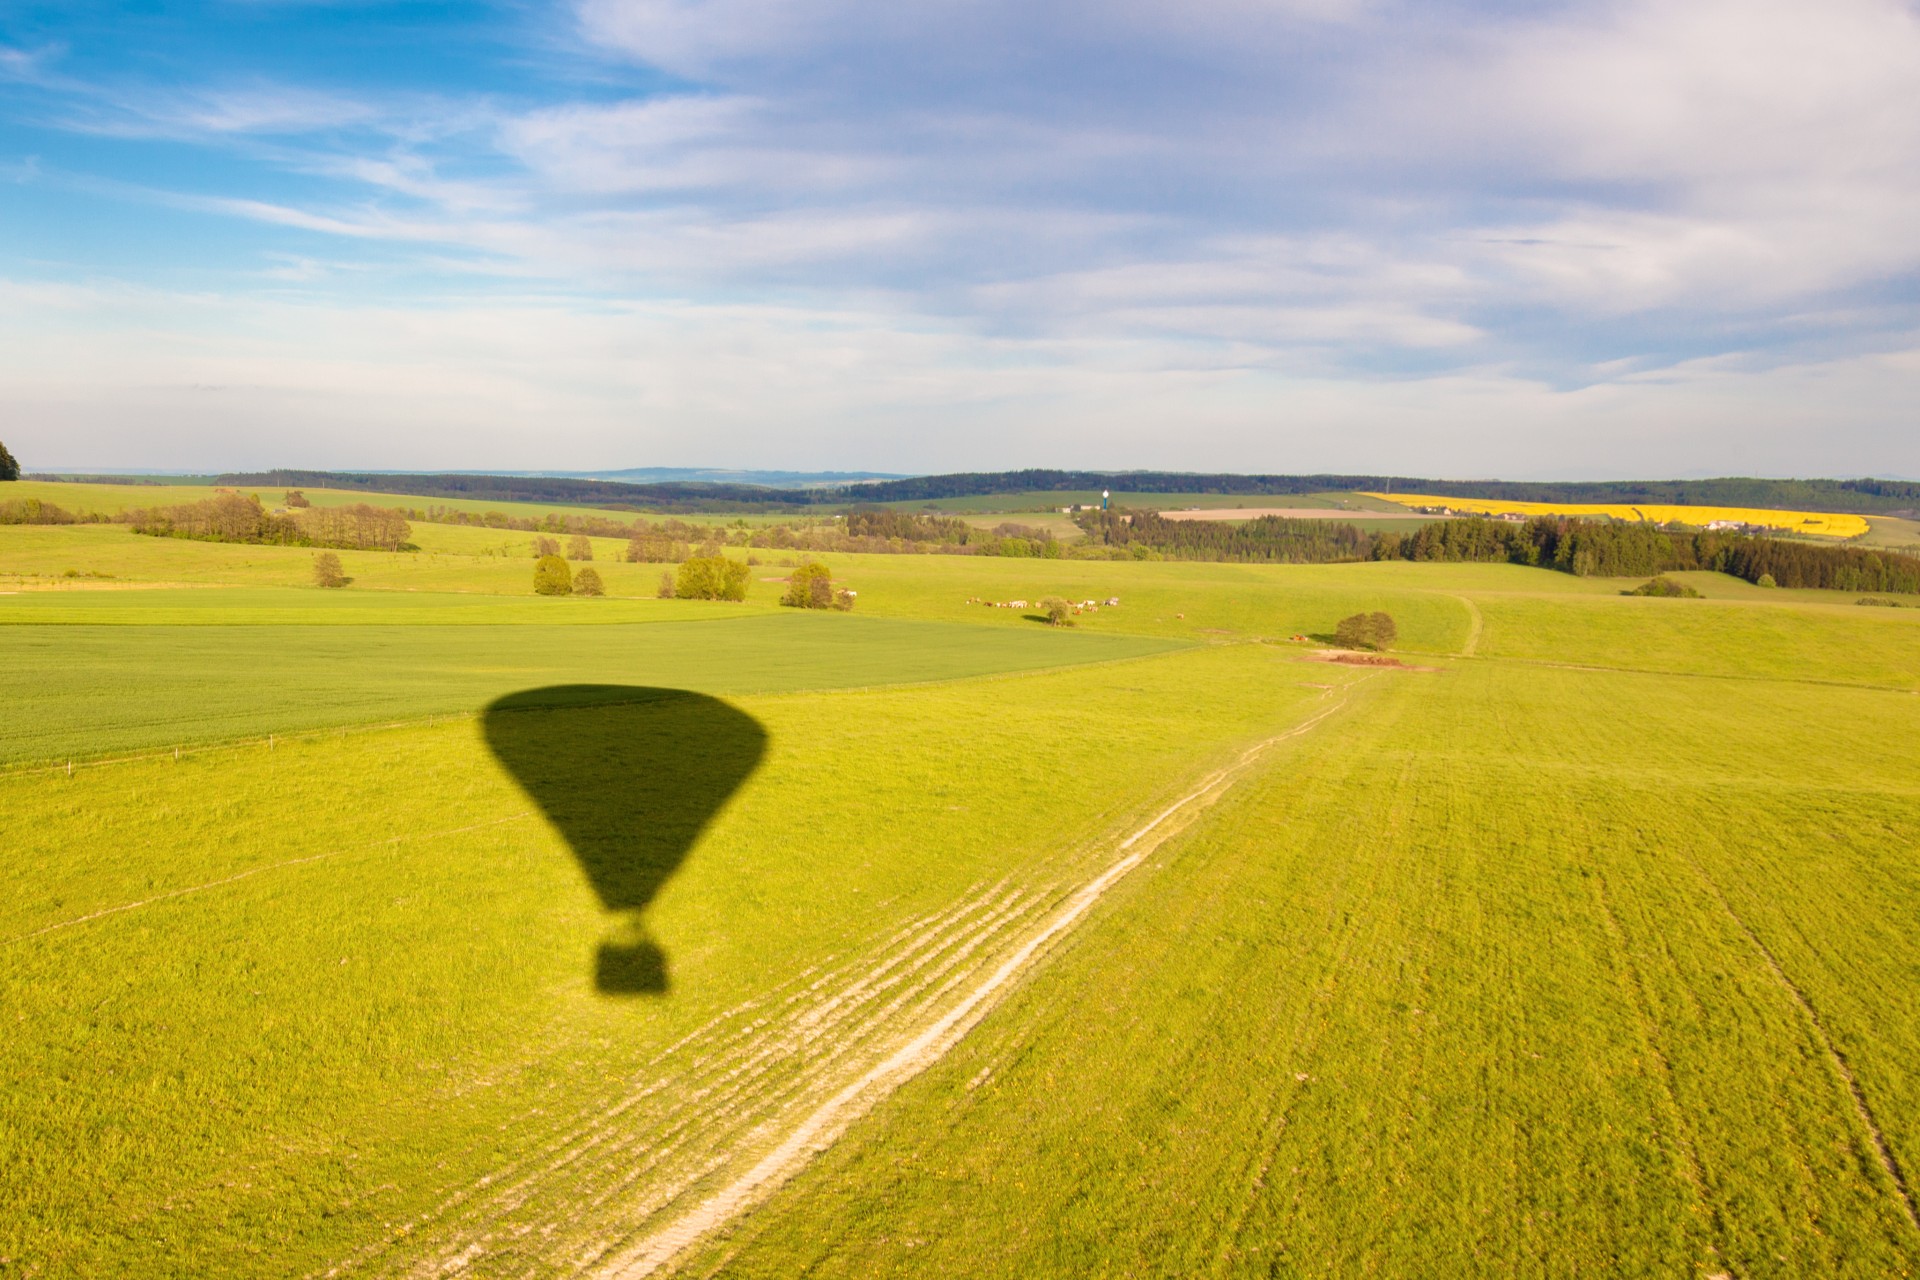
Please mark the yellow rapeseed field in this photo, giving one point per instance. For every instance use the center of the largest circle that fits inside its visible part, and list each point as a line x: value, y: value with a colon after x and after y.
x: 1823, y: 524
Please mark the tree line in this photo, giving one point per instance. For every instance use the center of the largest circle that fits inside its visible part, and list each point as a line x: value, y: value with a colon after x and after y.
x: 1586, y: 548
x: 234, y: 517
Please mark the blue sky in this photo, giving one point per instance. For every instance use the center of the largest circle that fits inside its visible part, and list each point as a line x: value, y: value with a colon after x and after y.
x: 1526, y: 239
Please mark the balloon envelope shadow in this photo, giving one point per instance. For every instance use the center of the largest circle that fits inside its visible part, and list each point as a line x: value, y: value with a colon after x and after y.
x: 630, y: 776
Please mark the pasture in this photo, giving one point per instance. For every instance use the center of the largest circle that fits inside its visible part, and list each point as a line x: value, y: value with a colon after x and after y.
x: 635, y: 936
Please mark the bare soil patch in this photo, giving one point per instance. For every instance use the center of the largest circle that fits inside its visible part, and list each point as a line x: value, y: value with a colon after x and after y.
x: 1350, y: 658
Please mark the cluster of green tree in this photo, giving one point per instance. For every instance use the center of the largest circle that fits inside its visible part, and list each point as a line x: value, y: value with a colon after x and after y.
x: 811, y: 587
x: 358, y: 527
x: 1269, y: 540
x: 34, y: 511
x: 1664, y: 587
x: 9, y: 465
x: 553, y: 576
x: 235, y: 517
x: 1587, y: 548
x: 553, y: 522
x: 882, y: 522
x: 896, y: 533
x: 1592, y: 548
x: 711, y: 578
x: 1366, y: 631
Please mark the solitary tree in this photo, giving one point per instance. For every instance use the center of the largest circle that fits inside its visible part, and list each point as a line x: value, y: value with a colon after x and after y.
x: 551, y: 577
x: 327, y: 571
x: 296, y: 499
x: 9, y: 469
x: 1059, y: 612
x: 544, y: 546
x: 666, y: 585
x: 587, y: 583
x: 810, y: 587
x: 579, y: 547
x: 1366, y: 631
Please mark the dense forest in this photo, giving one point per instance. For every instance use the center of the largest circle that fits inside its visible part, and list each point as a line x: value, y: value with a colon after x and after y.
x: 1587, y: 548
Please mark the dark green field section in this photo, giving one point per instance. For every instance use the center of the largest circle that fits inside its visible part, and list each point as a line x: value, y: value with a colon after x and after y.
x: 89, y: 691
x: 288, y: 606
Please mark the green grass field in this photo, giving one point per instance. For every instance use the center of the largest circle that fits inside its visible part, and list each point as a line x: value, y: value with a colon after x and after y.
x: 545, y: 928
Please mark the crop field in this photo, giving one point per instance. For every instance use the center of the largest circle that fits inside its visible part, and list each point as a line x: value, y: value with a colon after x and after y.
x: 1817, y: 524
x: 429, y: 927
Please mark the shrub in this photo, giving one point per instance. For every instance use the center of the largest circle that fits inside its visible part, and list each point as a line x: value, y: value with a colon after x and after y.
x: 810, y: 587
x: 843, y: 600
x: 1664, y: 586
x: 544, y: 547
x: 665, y: 591
x: 712, y: 578
x: 1366, y: 631
x: 297, y: 500
x: 1059, y: 612
x: 579, y: 547
x: 551, y: 577
x: 34, y: 511
x: 1765, y: 580
x: 327, y: 571
x: 1884, y: 603
x: 587, y: 583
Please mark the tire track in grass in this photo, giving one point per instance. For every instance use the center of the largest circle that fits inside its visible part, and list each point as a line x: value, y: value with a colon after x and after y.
x: 1694, y: 1169
x: 708, y: 1106
x: 822, y: 1127
x: 1309, y: 1029
x: 1842, y: 1069
x: 1474, y: 625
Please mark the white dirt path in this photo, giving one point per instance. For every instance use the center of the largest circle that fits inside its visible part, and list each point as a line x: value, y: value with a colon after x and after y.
x: 822, y: 1127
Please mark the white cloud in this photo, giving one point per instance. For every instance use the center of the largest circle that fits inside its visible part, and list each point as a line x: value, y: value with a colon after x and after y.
x: 113, y: 376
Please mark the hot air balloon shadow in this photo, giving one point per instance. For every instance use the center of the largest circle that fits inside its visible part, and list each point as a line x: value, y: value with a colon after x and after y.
x: 630, y: 776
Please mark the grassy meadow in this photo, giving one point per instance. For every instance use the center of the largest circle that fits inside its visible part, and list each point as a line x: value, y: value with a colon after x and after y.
x: 1588, y: 942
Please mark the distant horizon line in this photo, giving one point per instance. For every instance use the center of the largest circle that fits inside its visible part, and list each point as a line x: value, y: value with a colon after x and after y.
x: 855, y: 477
